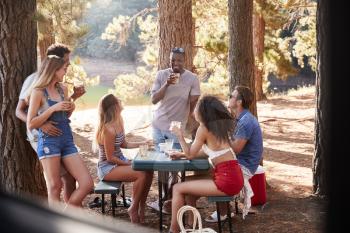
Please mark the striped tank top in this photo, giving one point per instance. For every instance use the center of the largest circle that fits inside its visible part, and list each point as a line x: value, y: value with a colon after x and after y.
x: 119, y: 139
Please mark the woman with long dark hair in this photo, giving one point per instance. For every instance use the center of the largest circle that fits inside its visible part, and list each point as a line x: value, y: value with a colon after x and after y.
x: 212, y: 138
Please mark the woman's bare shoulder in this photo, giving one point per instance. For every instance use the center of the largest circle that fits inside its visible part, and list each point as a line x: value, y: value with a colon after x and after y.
x: 202, y: 129
x: 38, y: 92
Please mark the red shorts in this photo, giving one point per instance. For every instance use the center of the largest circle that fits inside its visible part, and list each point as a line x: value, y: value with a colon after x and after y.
x: 228, y: 177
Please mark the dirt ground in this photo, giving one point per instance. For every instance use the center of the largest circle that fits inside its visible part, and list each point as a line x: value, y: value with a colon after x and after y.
x: 287, y: 122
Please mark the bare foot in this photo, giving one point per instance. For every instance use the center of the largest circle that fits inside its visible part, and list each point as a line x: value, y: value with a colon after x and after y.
x: 134, y: 216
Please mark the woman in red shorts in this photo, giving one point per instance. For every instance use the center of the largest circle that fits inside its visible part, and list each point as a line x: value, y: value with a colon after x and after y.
x: 212, y: 138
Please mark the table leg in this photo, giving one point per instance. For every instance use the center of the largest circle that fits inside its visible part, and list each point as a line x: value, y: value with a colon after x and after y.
x: 183, y: 176
x: 160, y: 202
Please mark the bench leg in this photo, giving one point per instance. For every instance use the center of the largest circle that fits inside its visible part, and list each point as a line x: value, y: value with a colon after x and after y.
x: 103, y: 204
x: 113, y: 197
x: 236, y: 206
x: 123, y: 193
x: 219, y: 217
x: 229, y: 216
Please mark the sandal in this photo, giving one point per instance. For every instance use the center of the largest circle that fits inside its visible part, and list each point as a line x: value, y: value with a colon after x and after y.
x: 97, y: 202
x: 214, y: 217
x: 120, y: 202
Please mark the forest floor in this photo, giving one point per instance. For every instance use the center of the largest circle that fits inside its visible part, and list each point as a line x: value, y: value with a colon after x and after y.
x: 287, y: 121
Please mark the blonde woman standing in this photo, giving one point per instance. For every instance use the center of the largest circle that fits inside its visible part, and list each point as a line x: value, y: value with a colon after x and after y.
x: 49, y: 101
x: 112, y: 165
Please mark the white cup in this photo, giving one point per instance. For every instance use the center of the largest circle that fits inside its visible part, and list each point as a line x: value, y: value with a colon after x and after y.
x: 177, y: 75
x: 162, y: 147
x: 143, y: 149
x: 169, y: 144
x: 175, y: 123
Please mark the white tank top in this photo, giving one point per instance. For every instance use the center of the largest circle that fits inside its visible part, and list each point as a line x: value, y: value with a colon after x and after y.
x: 213, y: 154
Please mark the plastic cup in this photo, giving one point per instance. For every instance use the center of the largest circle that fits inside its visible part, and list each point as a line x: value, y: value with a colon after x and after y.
x: 177, y: 75
x: 162, y: 147
x: 169, y: 144
x: 143, y: 149
x: 175, y: 123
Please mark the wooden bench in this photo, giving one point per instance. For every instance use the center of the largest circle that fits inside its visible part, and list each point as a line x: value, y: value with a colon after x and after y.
x: 226, y: 199
x: 112, y: 188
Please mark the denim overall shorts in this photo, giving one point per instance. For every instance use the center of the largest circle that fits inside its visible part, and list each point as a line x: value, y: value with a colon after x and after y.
x: 63, y: 145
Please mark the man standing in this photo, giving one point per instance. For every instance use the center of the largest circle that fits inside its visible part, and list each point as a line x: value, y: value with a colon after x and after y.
x: 247, y: 143
x: 177, y: 91
x: 49, y: 126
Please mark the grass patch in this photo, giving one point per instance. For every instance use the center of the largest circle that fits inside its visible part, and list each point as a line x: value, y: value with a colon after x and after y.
x: 93, y: 95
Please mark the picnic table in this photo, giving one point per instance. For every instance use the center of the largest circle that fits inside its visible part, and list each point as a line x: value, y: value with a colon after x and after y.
x: 159, y: 161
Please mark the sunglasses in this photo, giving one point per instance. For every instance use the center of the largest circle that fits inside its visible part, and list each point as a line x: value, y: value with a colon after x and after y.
x: 178, y: 50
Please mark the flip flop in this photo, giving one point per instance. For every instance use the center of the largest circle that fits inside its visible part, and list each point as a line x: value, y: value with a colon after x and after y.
x: 97, y: 202
x: 214, y: 217
x: 154, y: 205
x: 120, y: 202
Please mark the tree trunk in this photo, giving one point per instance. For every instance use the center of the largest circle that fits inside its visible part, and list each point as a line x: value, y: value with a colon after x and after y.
x: 175, y: 30
x: 240, y: 56
x: 19, y: 167
x: 258, y: 50
x: 47, y: 36
x: 194, y: 48
x: 323, y: 104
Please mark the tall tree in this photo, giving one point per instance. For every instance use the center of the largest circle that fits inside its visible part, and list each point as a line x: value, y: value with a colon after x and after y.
x: 46, y: 35
x: 258, y: 48
x: 240, y: 56
x: 323, y: 104
x: 175, y: 30
x: 19, y: 166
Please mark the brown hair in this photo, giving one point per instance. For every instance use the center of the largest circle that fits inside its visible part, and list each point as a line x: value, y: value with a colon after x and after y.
x: 244, y: 94
x: 46, y: 73
x: 57, y: 49
x: 216, y: 117
x: 107, y: 114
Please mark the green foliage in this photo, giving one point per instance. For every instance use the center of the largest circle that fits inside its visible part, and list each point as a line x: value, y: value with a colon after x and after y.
x: 64, y: 15
x: 109, y: 14
x: 305, y: 38
x: 289, y: 33
x: 119, y: 26
x: 277, y: 56
x: 212, y: 42
x: 76, y: 72
x: 149, y: 38
x: 134, y: 86
x: 91, y: 97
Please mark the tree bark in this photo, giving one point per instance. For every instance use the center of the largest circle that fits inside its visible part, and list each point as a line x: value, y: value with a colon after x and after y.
x: 241, y: 57
x: 19, y: 167
x: 175, y: 30
x: 323, y: 138
x: 47, y: 36
x: 258, y: 50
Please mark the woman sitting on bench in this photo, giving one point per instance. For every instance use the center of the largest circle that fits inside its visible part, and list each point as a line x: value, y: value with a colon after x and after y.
x: 213, y: 138
x: 112, y: 165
